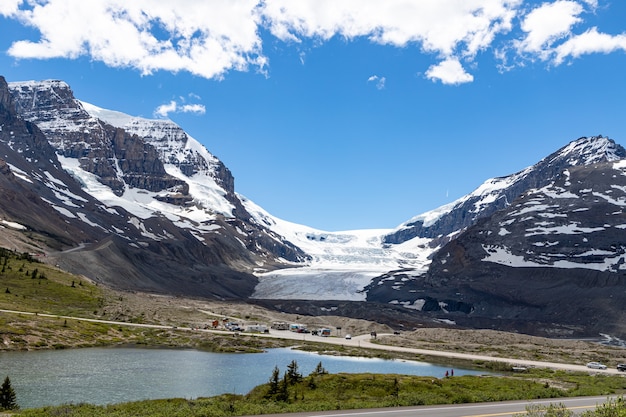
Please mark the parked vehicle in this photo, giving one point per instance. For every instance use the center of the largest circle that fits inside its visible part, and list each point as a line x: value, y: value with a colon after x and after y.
x: 621, y: 367
x: 596, y: 365
x: 348, y: 336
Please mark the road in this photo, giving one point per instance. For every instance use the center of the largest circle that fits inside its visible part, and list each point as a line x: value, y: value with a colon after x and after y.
x: 494, y: 409
x: 363, y: 341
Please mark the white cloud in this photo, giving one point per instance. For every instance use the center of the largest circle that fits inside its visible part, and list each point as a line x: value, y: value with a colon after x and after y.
x: 449, y: 71
x: 165, y: 110
x: 440, y: 26
x: 378, y: 81
x: 549, y: 23
x: 589, y: 42
x: 592, y: 3
x: 9, y: 7
x: 212, y: 38
x: 550, y: 33
x: 203, y: 38
x: 193, y: 108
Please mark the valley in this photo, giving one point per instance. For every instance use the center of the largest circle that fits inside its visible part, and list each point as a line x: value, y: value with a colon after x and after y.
x: 125, y: 318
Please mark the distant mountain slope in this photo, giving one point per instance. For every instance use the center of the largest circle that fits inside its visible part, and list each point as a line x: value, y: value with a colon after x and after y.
x: 528, y: 252
x: 556, y: 257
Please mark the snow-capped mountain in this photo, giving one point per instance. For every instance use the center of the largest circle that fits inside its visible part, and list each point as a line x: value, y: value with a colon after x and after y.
x: 145, y: 203
x: 497, y: 193
x: 364, y: 264
x: 556, y: 257
x: 138, y: 204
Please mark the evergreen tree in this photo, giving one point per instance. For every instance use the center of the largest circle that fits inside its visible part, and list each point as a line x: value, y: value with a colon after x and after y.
x: 319, y: 370
x: 7, y: 396
x: 293, y: 375
x: 274, y: 382
x: 283, y: 390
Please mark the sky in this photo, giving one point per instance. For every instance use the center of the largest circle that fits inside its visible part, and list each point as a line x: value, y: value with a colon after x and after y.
x: 342, y: 114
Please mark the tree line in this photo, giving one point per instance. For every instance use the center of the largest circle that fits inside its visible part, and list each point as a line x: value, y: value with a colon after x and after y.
x: 279, y: 388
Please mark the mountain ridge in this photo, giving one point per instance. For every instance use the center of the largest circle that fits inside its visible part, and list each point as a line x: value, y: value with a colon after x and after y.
x: 503, y: 190
x: 140, y: 205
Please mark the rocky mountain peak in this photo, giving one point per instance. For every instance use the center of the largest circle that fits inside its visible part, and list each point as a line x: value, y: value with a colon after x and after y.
x: 138, y: 206
x: 498, y: 193
x: 118, y: 158
x: 556, y: 254
x: 48, y: 101
x: 586, y: 151
x: 174, y: 146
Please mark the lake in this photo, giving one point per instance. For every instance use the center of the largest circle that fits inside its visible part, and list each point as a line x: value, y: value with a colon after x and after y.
x: 114, y: 375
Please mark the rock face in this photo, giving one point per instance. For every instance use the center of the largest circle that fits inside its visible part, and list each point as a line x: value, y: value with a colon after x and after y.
x: 557, y: 254
x: 116, y: 206
x: 27, y: 155
x: 117, y: 158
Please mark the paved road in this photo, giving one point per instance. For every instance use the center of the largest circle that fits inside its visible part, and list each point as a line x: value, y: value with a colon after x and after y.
x: 363, y: 341
x: 495, y: 409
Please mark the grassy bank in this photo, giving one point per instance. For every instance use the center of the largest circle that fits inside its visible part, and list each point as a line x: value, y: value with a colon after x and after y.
x: 321, y: 391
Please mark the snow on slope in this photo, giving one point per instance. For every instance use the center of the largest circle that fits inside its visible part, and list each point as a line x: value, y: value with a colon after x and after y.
x: 175, y: 147
x: 342, y: 264
x: 485, y: 194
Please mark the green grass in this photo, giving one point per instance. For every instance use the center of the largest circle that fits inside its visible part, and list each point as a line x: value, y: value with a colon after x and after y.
x: 31, y: 286
x: 28, y: 285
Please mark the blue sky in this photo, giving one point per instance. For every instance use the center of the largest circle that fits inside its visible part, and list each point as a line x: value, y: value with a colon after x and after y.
x: 342, y: 114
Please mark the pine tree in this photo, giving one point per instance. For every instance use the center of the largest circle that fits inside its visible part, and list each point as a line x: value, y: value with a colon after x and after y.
x: 395, y: 389
x: 7, y: 396
x: 319, y: 370
x: 283, y: 390
x: 293, y: 375
x: 273, y: 383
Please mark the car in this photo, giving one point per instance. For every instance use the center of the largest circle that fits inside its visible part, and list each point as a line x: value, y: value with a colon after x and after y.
x: 596, y: 365
x: 348, y: 336
x: 621, y: 367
